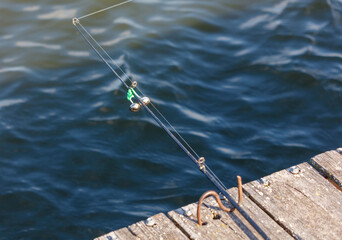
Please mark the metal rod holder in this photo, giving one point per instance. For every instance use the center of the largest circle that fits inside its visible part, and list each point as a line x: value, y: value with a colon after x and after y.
x: 218, y: 200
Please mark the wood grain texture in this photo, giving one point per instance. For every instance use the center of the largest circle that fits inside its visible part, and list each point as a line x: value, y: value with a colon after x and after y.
x: 265, y: 222
x: 298, y: 203
x: 211, y: 228
x: 330, y: 165
x: 120, y: 234
x: 163, y: 229
x: 305, y: 204
x: 223, y: 225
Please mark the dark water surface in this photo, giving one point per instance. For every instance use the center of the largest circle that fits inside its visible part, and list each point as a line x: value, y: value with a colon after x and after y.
x: 254, y: 86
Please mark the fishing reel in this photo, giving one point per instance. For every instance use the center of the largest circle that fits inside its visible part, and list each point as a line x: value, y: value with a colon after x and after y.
x: 135, y: 106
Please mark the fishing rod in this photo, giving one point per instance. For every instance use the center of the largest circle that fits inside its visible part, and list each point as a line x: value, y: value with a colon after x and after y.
x: 145, y: 102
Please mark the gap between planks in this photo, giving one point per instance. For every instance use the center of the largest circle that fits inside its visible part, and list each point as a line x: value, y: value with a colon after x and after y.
x: 239, y: 231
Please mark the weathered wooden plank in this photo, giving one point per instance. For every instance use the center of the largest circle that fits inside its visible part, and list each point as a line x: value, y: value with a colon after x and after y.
x: 267, y: 224
x: 120, y: 234
x: 158, y: 227
x: 223, y: 225
x: 330, y: 165
x: 303, y: 202
x: 186, y: 219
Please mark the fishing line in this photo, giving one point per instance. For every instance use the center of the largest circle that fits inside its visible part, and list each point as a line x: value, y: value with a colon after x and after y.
x: 186, y: 143
x: 131, y: 81
x: 199, y: 161
x: 112, y: 60
x: 105, y: 9
x: 99, y: 54
x: 185, y: 149
x: 94, y: 40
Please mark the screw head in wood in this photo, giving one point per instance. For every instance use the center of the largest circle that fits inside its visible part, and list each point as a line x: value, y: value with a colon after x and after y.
x: 294, y: 170
x: 150, y: 222
x: 265, y: 182
x: 112, y: 237
x: 187, y: 212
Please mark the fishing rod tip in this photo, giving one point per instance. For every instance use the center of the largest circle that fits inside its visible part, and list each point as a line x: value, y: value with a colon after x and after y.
x: 75, y: 21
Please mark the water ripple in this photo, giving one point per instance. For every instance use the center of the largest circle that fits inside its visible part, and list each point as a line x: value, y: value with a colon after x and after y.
x: 253, y: 86
x: 58, y: 14
x: 16, y: 69
x: 128, y: 22
x: 29, y: 44
x: 32, y: 8
x: 79, y: 53
x: 255, y: 21
x: 123, y: 36
x: 10, y: 102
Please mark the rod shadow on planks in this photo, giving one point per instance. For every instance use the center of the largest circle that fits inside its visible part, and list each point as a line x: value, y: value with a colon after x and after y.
x: 294, y: 203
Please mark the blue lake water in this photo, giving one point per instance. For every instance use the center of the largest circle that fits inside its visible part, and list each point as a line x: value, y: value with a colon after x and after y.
x: 254, y: 86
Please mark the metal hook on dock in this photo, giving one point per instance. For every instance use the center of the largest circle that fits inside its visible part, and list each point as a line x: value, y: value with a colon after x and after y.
x: 218, y: 200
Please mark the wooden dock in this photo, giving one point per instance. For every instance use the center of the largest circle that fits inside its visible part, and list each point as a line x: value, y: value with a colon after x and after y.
x: 301, y: 202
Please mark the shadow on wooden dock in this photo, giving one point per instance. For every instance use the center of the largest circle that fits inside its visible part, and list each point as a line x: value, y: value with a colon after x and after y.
x: 301, y: 202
